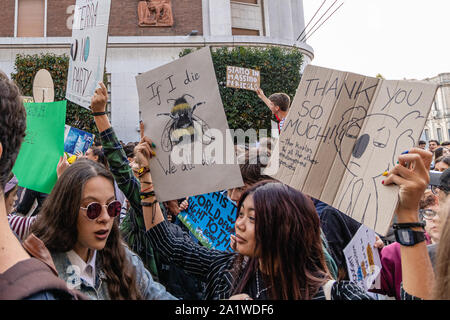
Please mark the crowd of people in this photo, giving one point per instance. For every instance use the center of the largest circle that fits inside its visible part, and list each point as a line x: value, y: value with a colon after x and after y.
x: 101, y: 233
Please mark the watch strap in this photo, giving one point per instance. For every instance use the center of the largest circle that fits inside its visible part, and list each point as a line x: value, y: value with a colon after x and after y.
x: 409, y: 225
x: 95, y: 114
x: 408, y: 237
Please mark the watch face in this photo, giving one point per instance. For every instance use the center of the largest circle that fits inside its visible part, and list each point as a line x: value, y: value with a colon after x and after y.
x: 405, y: 236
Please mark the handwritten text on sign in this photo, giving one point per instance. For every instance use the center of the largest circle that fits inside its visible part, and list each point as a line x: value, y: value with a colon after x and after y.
x: 210, y: 217
x: 87, y: 50
x: 183, y: 114
x: 243, y: 78
x: 343, y: 131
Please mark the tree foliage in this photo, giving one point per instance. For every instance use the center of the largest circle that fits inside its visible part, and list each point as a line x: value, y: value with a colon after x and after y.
x: 26, y: 67
x: 280, y: 72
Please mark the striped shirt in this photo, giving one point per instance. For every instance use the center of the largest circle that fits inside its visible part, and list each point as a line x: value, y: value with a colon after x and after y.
x: 214, y: 267
x: 21, y: 225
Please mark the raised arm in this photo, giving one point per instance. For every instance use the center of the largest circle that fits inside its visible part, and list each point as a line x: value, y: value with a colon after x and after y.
x: 190, y: 256
x: 263, y: 97
x: 412, y: 176
x: 113, y: 150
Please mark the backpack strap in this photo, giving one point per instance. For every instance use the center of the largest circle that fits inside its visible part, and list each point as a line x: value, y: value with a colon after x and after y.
x: 327, y: 289
x: 29, y: 277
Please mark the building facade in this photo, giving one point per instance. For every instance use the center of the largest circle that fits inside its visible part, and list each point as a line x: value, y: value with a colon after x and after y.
x: 41, y: 26
x: 438, y: 123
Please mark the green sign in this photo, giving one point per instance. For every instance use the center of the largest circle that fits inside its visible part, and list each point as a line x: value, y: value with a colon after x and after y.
x: 39, y: 154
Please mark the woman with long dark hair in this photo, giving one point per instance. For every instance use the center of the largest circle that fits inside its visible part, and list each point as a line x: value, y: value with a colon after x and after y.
x: 278, y: 228
x: 77, y: 224
x: 279, y: 253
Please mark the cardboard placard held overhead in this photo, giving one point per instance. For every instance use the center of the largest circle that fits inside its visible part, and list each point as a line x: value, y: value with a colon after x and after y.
x: 342, y: 132
x: 87, y: 50
x: 183, y: 114
x: 43, y: 87
x: 243, y: 78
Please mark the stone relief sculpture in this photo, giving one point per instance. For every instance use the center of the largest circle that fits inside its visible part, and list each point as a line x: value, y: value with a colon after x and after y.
x: 155, y: 13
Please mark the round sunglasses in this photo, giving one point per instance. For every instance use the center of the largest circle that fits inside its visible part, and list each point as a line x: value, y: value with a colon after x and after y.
x: 94, y: 209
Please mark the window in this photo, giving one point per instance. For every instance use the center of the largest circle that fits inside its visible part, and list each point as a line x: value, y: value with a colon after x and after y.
x: 244, y: 32
x: 439, y: 134
x: 427, y: 135
x: 247, y: 18
x: 30, y: 18
x: 247, y: 1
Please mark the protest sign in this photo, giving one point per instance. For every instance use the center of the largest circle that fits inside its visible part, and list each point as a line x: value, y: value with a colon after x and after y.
x: 243, y: 78
x: 183, y: 114
x: 363, y: 259
x: 343, y: 131
x: 210, y: 217
x: 76, y: 140
x: 43, y: 87
x: 88, y: 50
x: 39, y: 154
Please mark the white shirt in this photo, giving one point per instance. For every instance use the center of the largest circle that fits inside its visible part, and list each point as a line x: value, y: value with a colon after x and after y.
x: 87, y: 269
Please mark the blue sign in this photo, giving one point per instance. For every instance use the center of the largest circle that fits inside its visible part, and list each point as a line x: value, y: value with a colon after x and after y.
x: 211, y: 217
x: 76, y: 140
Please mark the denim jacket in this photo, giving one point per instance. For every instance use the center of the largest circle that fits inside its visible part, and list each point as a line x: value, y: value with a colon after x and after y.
x: 150, y: 290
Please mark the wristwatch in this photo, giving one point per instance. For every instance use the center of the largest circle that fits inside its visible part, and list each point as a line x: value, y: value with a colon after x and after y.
x: 408, y: 237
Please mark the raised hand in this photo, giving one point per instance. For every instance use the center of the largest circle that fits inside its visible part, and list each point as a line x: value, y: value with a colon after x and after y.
x: 63, y: 164
x: 100, y: 99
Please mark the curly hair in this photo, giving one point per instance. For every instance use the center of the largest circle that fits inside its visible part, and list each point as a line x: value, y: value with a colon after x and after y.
x: 12, y: 126
x: 56, y: 226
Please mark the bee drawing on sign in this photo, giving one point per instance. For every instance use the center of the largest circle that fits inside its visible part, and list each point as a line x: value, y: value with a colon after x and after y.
x: 184, y: 126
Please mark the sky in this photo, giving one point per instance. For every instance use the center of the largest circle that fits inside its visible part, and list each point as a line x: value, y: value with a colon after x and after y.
x: 399, y: 39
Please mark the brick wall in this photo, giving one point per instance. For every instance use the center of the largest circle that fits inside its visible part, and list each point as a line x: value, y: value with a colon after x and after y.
x: 7, y: 12
x: 123, y: 21
x: 57, y: 18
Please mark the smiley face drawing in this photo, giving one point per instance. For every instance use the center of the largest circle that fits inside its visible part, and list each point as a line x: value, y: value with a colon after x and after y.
x: 378, y: 144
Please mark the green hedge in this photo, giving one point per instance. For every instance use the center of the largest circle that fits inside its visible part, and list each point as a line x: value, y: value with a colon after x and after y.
x: 279, y: 67
x: 26, y: 67
x: 280, y: 72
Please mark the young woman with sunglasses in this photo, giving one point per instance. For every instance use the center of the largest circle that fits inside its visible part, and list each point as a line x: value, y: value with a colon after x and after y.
x: 78, y: 225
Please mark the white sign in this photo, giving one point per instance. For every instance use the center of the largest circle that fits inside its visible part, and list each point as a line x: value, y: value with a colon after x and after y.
x: 87, y: 50
x: 363, y: 259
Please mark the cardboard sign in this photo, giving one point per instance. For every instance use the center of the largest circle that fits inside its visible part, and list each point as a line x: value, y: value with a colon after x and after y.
x: 43, y: 87
x: 363, y: 259
x: 88, y: 50
x: 243, y: 78
x: 76, y: 140
x: 342, y: 132
x: 183, y: 114
x: 210, y: 217
x: 39, y: 154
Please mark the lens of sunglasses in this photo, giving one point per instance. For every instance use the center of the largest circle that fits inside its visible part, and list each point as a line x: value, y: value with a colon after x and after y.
x: 94, y: 209
x: 114, y: 208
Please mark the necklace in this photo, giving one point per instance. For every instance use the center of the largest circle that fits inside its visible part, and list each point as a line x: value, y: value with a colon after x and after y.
x: 257, y: 285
